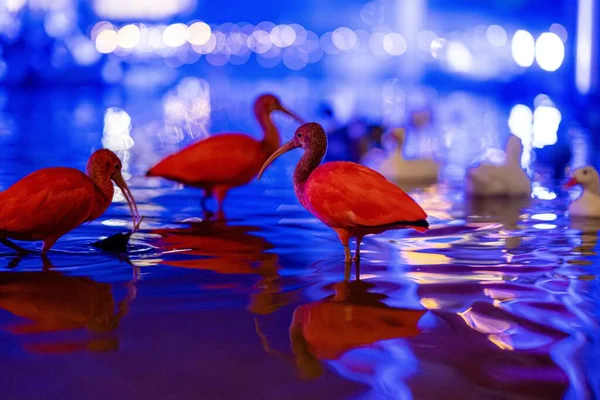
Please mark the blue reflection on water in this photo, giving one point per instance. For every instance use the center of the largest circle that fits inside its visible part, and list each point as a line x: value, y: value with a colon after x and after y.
x: 496, y: 300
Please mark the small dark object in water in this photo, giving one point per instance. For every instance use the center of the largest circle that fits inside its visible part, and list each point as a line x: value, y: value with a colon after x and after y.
x: 117, y: 242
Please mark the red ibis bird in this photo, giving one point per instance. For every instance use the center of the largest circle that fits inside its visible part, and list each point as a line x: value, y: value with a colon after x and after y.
x: 51, y: 202
x: 225, y: 161
x: 350, y: 198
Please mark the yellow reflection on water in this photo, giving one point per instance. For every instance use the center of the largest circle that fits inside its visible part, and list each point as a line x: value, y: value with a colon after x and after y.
x: 417, y: 258
x: 430, y: 303
x: 502, y: 341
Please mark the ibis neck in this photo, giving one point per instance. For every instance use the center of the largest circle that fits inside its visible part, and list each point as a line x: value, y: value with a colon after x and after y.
x: 271, y: 140
x: 310, y: 160
x: 102, y: 182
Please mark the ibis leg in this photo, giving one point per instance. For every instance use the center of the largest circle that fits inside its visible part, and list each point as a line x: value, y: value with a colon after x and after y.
x: 344, y: 236
x: 347, y: 254
x: 220, y: 195
x: 48, y: 243
x: 357, y: 252
x: 13, y: 246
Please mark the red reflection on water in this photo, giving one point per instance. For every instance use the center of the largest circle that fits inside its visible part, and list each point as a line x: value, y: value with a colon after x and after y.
x: 49, y: 302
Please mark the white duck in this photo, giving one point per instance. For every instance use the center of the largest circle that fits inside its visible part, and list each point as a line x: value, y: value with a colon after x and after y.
x: 508, y: 180
x: 399, y: 169
x: 588, y: 204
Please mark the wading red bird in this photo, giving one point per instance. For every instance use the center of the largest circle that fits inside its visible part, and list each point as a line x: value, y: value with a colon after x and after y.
x: 51, y: 202
x: 350, y: 198
x: 224, y: 161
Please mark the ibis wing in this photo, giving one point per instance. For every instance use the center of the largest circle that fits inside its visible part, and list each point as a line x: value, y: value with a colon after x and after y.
x: 51, y: 200
x: 343, y: 194
x: 221, y: 158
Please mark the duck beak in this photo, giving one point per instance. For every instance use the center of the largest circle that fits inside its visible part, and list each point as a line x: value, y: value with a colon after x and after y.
x: 570, y: 183
x: 118, y: 179
x: 291, y: 114
x: 291, y: 145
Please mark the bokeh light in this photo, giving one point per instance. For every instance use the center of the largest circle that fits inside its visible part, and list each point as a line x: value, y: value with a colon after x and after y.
x: 523, y: 48
x: 394, y: 44
x: 344, y: 38
x: 546, y: 121
x: 459, y: 57
x: 549, y: 51
x: 283, y: 35
x: 496, y: 35
x: 520, y: 121
x: 107, y: 41
x: 560, y: 31
x: 175, y: 35
x: 129, y: 36
x: 438, y: 46
x: 198, y: 33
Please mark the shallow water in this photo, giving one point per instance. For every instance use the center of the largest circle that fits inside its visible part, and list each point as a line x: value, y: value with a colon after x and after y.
x: 497, y: 300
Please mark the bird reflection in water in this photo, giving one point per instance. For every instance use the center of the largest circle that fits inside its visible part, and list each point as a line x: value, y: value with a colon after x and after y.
x: 53, y: 302
x: 353, y: 317
x: 505, y: 211
x: 228, y: 249
x: 588, y: 235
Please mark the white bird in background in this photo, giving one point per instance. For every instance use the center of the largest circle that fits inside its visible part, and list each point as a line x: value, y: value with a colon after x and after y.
x: 588, y: 204
x: 399, y: 169
x: 508, y: 180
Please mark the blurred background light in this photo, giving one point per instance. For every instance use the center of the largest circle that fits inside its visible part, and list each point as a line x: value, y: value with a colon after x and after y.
x: 523, y: 48
x: 424, y: 40
x: 198, y: 33
x: 496, y: 35
x: 283, y: 35
x: 546, y: 121
x: 128, y: 36
x: 344, y: 38
x: 559, y: 31
x: 549, y: 51
x: 394, y: 44
x: 459, y: 57
x: 175, y: 35
x: 520, y: 121
x: 438, y: 46
x: 117, y: 128
x: 107, y: 41
x: 585, y: 31
x: 140, y: 9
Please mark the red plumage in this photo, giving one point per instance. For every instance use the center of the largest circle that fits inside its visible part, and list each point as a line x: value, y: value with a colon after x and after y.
x: 227, y: 160
x: 348, y: 195
x: 48, y: 203
x: 221, y: 161
x: 351, y: 199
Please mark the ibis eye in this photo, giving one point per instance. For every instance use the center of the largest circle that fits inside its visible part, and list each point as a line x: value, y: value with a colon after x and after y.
x: 299, y: 135
x: 585, y: 171
x: 117, y: 166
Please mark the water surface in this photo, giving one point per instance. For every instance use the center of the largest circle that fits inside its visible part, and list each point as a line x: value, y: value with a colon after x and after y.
x: 497, y: 300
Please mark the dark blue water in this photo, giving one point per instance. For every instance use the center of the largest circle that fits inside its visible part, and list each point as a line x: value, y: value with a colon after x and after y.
x: 497, y: 300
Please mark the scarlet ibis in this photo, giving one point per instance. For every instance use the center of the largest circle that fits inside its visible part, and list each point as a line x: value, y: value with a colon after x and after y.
x: 350, y: 198
x: 224, y: 161
x: 51, y: 202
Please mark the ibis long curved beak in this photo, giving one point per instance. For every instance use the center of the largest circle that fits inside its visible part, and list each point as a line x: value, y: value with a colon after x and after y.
x: 118, y: 179
x: 570, y: 183
x: 291, y: 145
x: 291, y: 114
